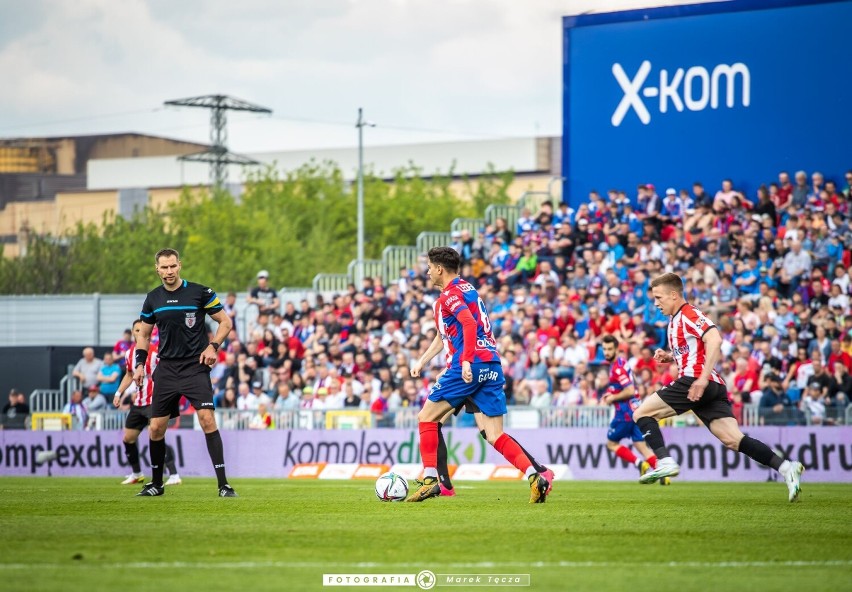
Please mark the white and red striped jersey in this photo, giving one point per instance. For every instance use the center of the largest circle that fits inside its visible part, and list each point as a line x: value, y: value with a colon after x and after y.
x: 142, y: 397
x: 686, y: 328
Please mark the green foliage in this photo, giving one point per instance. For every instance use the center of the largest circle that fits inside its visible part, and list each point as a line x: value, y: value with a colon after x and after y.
x: 296, y: 226
x: 115, y: 257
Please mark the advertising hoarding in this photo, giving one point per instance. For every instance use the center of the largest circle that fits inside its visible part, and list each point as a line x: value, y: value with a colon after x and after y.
x: 739, y: 90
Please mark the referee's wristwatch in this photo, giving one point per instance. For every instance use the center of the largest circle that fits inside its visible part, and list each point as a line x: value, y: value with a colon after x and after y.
x: 215, y: 345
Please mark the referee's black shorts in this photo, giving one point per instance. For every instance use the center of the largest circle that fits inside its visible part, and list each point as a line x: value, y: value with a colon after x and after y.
x: 138, y: 418
x: 174, y: 378
x: 714, y: 404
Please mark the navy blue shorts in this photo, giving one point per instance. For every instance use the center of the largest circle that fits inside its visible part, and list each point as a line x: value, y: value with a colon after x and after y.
x: 486, y: 389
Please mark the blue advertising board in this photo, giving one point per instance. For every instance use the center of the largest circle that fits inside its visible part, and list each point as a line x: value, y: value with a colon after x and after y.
x: 739, y: 90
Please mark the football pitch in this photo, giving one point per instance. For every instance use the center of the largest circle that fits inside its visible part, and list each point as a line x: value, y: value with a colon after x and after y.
x: 93, y: 534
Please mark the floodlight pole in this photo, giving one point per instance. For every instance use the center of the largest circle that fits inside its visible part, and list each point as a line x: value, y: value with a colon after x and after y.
x: 360, y: 125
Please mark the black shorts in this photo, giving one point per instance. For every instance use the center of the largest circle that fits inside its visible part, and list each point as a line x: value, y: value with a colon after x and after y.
x: 176, y: 378
x: 469, y: 406
x: 712, y: 405
x: 138, y: 418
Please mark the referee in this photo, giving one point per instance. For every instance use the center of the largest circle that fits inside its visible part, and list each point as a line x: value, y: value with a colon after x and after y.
x: 178, y: 309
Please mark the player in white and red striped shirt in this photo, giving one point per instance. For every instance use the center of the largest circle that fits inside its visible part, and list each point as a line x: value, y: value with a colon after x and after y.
x: 140, y: 413
x: 696, y: 345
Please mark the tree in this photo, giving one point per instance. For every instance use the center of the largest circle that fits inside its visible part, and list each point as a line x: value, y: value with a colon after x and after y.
x: 295, y: 225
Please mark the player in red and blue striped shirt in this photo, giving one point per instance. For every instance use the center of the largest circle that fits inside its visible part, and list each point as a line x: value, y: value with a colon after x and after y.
x: 621, y: 393
x: 473, y: 371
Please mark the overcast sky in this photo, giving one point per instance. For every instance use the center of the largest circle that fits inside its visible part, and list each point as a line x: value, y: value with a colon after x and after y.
x: 442, y: 69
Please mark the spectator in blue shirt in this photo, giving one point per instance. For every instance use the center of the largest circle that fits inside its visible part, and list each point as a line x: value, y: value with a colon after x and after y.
x: 109, y: 376
x: 616, y: 301
x: 616, y: 251
x: 834, y: 252
x: 727, y: 294
x: 711, y: 256
x: 748, y: 277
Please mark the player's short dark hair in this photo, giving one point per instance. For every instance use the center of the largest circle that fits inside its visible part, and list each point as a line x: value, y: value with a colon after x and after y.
x: 446, y: 257
x: 166, y: 253
x: 611, y: 339
x: 671, y: 281
x: 135, y: 322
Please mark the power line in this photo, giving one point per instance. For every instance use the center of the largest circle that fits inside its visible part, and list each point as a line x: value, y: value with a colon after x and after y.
x: 81, y: 119
x: 244, y: 120
x: 388, y: 127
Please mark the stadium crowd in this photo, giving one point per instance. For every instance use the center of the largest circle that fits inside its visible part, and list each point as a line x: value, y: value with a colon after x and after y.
x: 774, y: 272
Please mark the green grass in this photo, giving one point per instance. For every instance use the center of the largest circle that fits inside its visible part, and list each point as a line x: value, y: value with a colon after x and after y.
x: 93, y: 534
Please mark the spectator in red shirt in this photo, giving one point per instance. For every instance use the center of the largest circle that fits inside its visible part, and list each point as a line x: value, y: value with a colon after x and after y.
x: 545, y: 331
x: 596, y: 321
x: 564, y: 319
x: 745, y: 380
x: 785, y: 191
x: 379, y: 408
x: 838, y: 356
x: 646, y: 361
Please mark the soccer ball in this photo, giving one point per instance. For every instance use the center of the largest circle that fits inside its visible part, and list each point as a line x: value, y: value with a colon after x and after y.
x: 391, y: 487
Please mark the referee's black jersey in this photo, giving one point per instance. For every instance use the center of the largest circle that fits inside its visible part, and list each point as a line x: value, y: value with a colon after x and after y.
x: 179, y: 315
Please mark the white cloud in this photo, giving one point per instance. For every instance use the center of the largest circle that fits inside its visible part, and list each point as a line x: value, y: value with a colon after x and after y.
x: 486, y: 66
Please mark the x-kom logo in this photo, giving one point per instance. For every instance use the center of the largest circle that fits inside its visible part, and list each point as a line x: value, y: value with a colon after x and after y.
x: 694, y: 88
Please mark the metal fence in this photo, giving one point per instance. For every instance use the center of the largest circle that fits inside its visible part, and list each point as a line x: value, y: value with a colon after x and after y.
x: 751, y: 415
x: 510, y: 213
x: 396, y: 257
x: 532, y: 200
x: 427, y: 240
x: 575, y: 417
x: 371, y: 268
x: 331, y: 282
x: 518, y: 417
x: 91, y: 319
x: 47, y: 400
x: 94, y: 319
x: 472, y: 225
x: 107, y: 421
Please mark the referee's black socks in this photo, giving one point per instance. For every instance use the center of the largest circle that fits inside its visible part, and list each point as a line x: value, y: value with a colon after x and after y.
x: 217, y: 455
x: 650, y: 429
x: 158, y: 458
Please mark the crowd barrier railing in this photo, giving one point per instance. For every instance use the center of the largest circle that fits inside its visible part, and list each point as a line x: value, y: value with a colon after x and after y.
x: 518, y: 417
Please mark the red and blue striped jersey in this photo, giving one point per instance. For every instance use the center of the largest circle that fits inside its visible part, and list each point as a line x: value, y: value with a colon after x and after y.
x: 459, y: 305
x: 621, y: 377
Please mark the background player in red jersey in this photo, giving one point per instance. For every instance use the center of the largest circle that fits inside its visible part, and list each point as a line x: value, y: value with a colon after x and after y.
x: 621, y: 394
x: 695, y: 345
x: 474, y: 372
x: 140, y: 413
